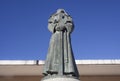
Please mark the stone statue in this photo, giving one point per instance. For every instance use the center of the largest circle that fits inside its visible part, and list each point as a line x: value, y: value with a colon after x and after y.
x: 60, y: 60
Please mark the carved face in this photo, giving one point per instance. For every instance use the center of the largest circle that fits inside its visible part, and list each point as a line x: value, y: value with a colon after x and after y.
x: 60, y: 18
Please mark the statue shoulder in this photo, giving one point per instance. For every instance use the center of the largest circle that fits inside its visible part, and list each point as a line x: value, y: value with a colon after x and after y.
x: 51, y: 24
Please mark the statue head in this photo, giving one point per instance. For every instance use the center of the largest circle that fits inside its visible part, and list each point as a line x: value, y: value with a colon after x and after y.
x: 60, y: 21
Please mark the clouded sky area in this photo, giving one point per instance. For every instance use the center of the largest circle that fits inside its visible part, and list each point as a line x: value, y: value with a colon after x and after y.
x: 24, y: 34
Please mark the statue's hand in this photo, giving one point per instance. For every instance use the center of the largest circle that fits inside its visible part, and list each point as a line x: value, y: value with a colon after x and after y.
x: 60, y: 28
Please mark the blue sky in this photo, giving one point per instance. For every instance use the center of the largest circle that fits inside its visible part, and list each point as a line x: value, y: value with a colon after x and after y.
x: 24, y: 34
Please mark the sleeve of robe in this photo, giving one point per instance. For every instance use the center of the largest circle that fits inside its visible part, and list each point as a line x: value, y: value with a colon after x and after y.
x: 69, y: 25
x: 51, y: 24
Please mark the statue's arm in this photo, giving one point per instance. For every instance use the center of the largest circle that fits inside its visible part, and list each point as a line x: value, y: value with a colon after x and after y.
x: 69, y: 25
x: 51, y: 25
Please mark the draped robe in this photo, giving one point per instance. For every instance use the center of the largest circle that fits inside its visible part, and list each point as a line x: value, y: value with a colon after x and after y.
x: 60, y: 59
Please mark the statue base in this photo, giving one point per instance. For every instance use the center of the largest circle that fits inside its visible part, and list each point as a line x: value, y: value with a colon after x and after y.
x: 60, y: 78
